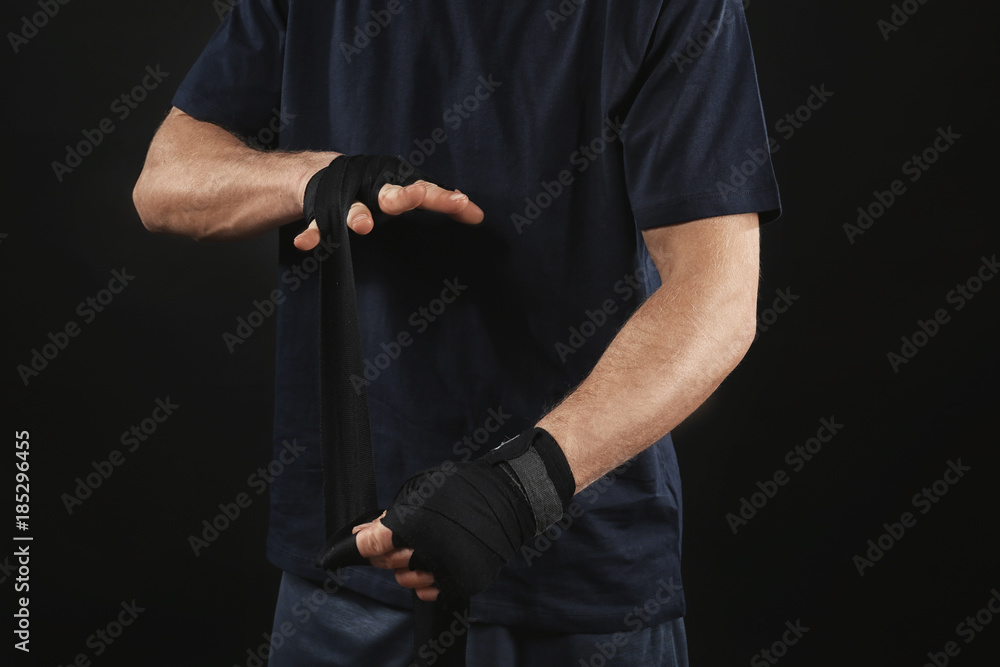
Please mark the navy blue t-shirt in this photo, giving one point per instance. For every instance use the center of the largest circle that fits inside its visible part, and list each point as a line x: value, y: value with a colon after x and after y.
x: 574, y: 126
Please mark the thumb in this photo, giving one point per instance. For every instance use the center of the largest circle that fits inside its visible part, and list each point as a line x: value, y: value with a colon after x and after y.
x: 309, y: 238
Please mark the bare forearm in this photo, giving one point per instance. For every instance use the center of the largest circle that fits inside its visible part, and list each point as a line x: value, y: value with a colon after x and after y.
x: 668, y: 358
x: 203, y: 182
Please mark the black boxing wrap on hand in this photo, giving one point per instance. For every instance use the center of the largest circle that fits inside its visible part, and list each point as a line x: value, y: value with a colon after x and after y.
x: 464, y: 521
x: 356, y: 178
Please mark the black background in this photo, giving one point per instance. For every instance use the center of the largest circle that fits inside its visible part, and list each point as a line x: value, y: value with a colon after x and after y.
x: 826, y: 357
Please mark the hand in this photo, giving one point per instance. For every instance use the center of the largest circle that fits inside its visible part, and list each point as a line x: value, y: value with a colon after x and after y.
x: 374, y: 542
x: 396, y: 199
x: 464, y: 521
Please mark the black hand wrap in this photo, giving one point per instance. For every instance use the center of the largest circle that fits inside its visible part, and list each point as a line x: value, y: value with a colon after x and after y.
x: 464, y: 521
x: 356, y: 178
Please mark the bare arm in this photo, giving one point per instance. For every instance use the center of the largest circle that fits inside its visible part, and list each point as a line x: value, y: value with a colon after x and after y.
x: 667, y: 359
x: 673, y: 352
x: 203, y: 182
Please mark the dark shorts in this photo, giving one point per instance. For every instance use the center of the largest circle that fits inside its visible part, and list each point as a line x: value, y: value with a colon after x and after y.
x: 314, y: 628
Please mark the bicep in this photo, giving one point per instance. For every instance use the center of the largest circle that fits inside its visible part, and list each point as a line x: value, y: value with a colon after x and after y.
x: 724, y: 249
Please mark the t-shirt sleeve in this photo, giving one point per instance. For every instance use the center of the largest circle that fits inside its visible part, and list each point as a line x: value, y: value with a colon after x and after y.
x: 236, y: 82
x: 695, y: 145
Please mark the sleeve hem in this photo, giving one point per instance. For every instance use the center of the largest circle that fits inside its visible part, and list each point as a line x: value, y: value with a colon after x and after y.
x: 764, y: 201
x: 198, y: 107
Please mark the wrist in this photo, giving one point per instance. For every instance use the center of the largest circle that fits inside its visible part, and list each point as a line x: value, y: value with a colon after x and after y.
x: 539, y: 469
x: 556, y: 464
x: 305, y: 167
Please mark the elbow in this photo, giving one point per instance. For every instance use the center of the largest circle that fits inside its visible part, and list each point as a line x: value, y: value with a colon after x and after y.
x: 744, y: 335
x: 148, y: 204
x: 166, y: 210
x: 742, y: 332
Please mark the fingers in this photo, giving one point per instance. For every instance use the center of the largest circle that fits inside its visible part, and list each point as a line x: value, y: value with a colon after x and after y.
x: 375, y: 544
x: 456, y: 204
x: 414, y: 578
x: 359, y: 218
x: 422, y: 582
x: 394, y: 199
x: 428, y: 594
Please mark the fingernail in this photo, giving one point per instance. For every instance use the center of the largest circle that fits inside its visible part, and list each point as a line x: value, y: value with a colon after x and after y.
x: 458, y: 196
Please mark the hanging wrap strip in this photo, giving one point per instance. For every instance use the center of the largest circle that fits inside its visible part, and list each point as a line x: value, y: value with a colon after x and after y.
x: 348, y: 462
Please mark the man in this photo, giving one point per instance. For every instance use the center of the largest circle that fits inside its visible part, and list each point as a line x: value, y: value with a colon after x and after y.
x: 601, y: 258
